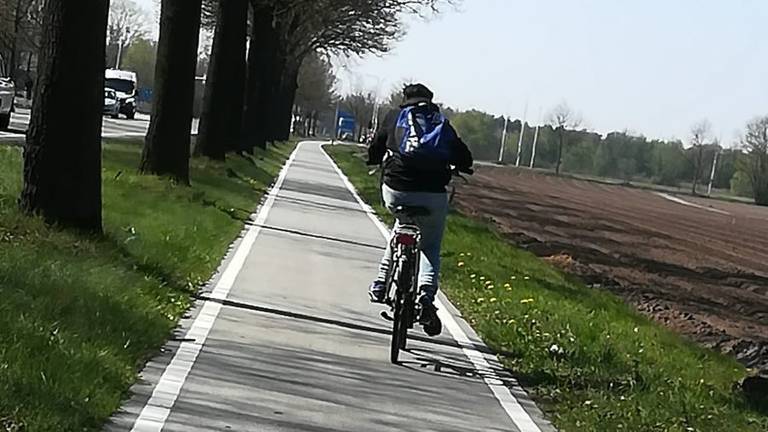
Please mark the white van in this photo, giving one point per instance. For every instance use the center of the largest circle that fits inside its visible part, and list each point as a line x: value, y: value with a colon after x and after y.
x: 7, y: 95
x: 125, y: 84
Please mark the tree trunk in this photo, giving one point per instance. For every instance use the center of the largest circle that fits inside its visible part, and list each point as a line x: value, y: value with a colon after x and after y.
x: 560, y: 151
x: 288, y: 87
x: 18, y: 17
x: 697, y: 169
x: 262, y: 55
x: 273, y: 104
x: 221, y: 119
x: 166, y: 148
x: 62, y: 154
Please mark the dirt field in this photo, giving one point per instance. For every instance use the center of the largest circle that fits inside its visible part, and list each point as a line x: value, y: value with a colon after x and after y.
x: 700, y: 267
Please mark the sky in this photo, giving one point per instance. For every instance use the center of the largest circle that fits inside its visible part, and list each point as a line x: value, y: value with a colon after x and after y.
x: 653, y: 67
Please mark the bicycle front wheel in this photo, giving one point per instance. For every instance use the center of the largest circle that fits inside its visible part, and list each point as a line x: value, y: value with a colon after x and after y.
x: 399, y: 332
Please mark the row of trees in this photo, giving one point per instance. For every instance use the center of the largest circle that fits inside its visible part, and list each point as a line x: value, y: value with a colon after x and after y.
x: 622, y: 155
x: 258, y: 49
x: 20, y: 35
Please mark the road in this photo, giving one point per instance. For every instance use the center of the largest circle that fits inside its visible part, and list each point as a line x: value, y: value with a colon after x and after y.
x: 112, y: 128
x: 286, y: 340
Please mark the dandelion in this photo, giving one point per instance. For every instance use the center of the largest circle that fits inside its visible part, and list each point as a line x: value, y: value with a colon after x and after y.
x: 507, y: 286
x: 556, y: 349
x: 636, y: 330
x: 461, y: 254
x: 482, y: 278
x: 527, y: 278
x: 480, y: 300
x: 461, y: 264
x: 526, y: 301
x: 469, y: 254
x: 514, y: 278
x: 472, y: 276
x: 493, y: 299
x: 490, y: 287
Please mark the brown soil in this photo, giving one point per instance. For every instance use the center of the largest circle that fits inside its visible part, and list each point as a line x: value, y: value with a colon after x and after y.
x: 702, y: 271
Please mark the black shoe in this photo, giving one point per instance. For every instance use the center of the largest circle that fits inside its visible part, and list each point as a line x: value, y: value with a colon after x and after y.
x: 377, y: 292
x: 429, y: 320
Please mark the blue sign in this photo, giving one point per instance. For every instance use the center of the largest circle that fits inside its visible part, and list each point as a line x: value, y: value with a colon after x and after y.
x: 345, y: 124
x: 145, y: 94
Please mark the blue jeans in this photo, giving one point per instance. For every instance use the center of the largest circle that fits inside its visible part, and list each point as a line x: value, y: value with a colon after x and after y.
x: 431, y: 227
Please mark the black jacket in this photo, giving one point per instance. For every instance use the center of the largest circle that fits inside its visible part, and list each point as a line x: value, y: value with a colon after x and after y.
x: 412, y: 174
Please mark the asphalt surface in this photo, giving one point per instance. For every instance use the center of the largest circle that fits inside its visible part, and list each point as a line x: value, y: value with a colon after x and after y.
x: 112, y: 128
x: 289, y: 341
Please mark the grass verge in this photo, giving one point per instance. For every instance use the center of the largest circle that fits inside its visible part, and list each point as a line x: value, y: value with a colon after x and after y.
x: 590, y: 361
x: 80, y: 314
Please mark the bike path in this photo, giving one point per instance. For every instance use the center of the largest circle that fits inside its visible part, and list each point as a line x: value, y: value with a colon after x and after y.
x: 290, y: 343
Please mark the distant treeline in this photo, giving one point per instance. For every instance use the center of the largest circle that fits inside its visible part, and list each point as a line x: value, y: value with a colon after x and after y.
x: 618, y: 155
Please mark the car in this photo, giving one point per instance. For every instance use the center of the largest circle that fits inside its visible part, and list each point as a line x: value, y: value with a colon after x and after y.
x: 7, y: 95
x: 111, y: 103
x: 125, y: 85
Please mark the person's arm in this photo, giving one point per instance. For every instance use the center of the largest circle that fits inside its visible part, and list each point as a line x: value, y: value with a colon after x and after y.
x: 378, y: 147
x: 461, y: 157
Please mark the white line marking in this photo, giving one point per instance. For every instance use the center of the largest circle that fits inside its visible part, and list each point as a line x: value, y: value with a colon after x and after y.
x: 690, y: 204
x: 155, y: 413
x: 521, y: 419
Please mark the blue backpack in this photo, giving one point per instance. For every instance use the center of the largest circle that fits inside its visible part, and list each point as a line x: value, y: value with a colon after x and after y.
x: 424, y: 131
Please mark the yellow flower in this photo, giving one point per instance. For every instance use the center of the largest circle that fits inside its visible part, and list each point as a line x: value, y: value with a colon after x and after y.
x: 461, y: 263
x: 482, y: 278
x: 526, y: 301
x: 472, y: 276
x: 507, y: 286
x: 493, y: 300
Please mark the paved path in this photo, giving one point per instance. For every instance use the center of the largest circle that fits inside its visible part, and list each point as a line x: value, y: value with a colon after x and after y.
x: 112, y: 128
x: 289, y: 342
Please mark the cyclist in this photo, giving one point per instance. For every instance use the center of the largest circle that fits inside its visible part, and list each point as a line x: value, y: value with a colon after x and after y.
x: 416, y: 147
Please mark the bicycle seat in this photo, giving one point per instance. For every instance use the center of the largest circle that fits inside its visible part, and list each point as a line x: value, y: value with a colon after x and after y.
x: 411, y: 211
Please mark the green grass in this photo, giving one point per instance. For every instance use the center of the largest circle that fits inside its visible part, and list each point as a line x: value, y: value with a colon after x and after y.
x: 80, y: 314
x: 589, y: 360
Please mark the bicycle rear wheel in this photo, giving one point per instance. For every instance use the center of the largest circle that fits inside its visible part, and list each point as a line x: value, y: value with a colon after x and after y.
x: 403, y: 306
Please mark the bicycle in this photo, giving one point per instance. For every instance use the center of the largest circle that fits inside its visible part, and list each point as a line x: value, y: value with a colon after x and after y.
x: 402, y: 279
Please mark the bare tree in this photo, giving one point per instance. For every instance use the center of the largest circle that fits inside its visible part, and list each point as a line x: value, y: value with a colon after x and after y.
x: 700, y: 134
x: 563, y: 118
x: 127, y: 23
x: 361, y: 106
x: 755, y: 162
x: 62, y: 176
x: 20, y: 29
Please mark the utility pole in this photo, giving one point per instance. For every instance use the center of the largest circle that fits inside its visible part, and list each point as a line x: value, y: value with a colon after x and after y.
x: 535, y: 140
x: 335, y: 134
x: 712, y: 175
x: 120, y: 43
x: 503, y: 140
x: 522, y: 134
x: 533, y: 151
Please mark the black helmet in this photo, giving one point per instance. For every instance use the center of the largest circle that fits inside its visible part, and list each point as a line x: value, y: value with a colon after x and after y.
x: 417, y: 93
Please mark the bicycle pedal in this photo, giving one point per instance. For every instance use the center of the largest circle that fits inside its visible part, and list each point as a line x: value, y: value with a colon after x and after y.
x: 386, y: 316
